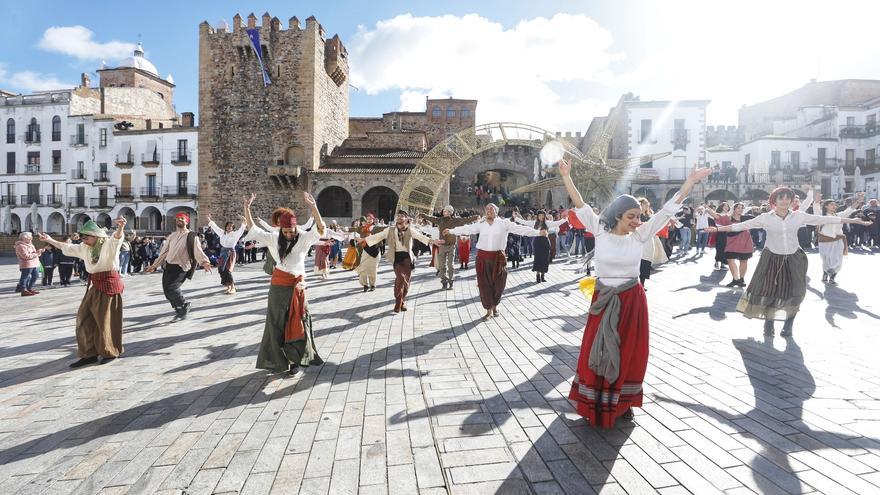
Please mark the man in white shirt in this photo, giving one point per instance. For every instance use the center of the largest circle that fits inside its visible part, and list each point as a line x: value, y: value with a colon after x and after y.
x: 226, y: 261
x: 180, y: 253
x: 399, y: 253
x: 99, y: 318
x: 491, y: 261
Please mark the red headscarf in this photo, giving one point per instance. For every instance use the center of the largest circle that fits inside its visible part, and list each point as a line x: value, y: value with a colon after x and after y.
x: 183, y: 216
x: 287, y: 220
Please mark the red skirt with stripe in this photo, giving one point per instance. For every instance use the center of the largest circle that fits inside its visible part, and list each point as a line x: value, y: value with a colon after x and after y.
x: 599, y: 401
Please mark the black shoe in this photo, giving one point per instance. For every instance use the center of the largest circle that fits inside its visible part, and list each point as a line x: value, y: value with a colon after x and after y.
x: 831, y: 279
x: 732, y: 283
x: 742, y: 282
x: 105, y: 360
x: 444, y: 284
x: 366, y: 288
x: 824, y: 276
x: 629, y: 415
x: 537, y: 278
x: 293, y: 369
x: 372, y: 288
x: 542, y: 277
x: 84, y: 361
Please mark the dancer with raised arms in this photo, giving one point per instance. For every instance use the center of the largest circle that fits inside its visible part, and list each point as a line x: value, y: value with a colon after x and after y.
x: 99, y: 318
x: 287, y: 336
x: 614, y: 352
x: 491, y: 262
x: 779, y: 284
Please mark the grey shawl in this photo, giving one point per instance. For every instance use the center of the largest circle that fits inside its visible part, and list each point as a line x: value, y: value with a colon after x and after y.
x: 605, y: 352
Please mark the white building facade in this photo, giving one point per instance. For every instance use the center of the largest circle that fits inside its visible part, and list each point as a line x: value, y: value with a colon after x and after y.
x: 88, y: 153
x: 674, y: 127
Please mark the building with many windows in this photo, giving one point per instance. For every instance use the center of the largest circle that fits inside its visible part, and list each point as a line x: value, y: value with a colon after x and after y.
x: 97, y: 153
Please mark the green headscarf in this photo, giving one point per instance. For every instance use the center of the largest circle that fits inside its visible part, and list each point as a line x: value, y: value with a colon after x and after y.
x: 92, y: 229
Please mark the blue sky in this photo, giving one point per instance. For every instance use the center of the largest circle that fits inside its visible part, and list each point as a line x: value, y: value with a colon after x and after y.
x: 556, y: 66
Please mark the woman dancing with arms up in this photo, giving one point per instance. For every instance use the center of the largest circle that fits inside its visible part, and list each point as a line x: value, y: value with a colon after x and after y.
x: 614, y: 352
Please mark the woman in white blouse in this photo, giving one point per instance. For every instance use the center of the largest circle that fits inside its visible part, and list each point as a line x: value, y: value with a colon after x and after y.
x: 287, y: 342
x: 779, y: 283
x: 832, y: 242
x: 614, y: 352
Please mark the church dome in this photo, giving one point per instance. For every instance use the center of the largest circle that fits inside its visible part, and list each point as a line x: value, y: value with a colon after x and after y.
x: 138, y: 61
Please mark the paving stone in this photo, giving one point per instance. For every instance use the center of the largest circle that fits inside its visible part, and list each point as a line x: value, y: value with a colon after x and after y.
x: 427, y: 400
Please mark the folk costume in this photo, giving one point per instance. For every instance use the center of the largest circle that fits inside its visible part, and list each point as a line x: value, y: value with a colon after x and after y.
x: 400, y: 254
x: 614, y: 352
x: 288, y: 341
x: 99, y: 317
x: 226, y: 259
x: 181, y: 253
x: 491, y: 262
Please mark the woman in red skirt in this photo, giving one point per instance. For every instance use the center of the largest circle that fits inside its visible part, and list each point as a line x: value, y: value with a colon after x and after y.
x: 614, y: 352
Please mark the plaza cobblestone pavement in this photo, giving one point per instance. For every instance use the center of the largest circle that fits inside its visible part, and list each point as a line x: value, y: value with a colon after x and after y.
x: 434, y: 400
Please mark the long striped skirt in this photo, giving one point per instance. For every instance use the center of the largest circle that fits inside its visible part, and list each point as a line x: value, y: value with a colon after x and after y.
x: 597, y: 399
x: 225, y: 265
x: 778, y: 286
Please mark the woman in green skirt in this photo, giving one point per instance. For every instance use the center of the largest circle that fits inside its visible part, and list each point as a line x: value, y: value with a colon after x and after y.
x: 287, y: 337
x: 779, y: 283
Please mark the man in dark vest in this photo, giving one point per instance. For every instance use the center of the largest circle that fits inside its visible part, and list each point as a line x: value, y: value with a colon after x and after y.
x: 180, y: 254
x: 399, y: 253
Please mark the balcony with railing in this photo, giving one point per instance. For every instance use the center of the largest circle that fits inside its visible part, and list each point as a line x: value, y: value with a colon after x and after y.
x: 680, y: 138
x: 32, y: 136
x: 79, y: 140
x: 151, y: 159
x: 102, y: 176
x: 77, y: 202
x: 78, y: 174
x: 859, y: 131
x: 125, y: 160
x: 150, y: 193
x: 32, y: 168
x: 54, y: 200
x: 102, y: 203
x: 124, y: 193
x: 27, y: 200
x: 181, y: 192
x: 8, y: 201
x: 181, y: 157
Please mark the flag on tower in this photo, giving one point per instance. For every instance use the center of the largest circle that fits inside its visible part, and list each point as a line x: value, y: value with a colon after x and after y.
x: 254, y: 35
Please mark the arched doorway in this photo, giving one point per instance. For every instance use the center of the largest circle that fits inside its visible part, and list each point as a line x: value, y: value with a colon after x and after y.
x: 104, y: 220
x: 15, y: 223
x: 29, y: 223
x: 151, y: 219
x: 756, y: 195
x: 379, y: 201
x: 129, y: 216
x: 334, y: 202
x: 55, y: 224
x: 721, y: 195
x: 644, y: 192
x: 78, y: 220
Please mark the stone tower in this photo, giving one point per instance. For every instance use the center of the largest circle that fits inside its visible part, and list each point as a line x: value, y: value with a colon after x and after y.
x: 267, y: 139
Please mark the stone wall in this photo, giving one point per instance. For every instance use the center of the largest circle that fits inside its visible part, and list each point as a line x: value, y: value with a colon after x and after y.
x: 131, y: 78
x: 246, y: 127
x: 7, y: 244
x: 389, y: 140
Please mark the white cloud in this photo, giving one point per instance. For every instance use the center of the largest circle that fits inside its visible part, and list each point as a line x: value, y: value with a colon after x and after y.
x: 77, y: 41
x: 28, y: 81
x: 508, y: 70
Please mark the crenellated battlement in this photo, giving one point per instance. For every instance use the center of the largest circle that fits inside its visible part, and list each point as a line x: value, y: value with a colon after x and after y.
x: 262, y: 136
